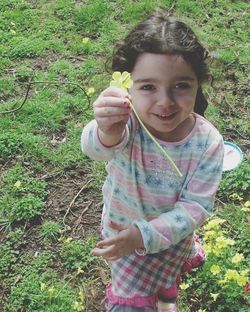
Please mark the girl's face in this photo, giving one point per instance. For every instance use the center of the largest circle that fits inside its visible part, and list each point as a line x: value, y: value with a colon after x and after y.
x: 163, y: 94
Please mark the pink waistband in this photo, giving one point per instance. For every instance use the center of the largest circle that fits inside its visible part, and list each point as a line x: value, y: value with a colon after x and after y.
x: 137, y: 301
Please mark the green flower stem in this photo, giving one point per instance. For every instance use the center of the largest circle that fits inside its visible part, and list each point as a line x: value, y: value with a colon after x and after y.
x: 155, y: 142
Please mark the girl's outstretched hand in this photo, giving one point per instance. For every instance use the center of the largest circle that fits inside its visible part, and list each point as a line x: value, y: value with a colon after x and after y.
x: 127, y: 240
x: 111, y: 111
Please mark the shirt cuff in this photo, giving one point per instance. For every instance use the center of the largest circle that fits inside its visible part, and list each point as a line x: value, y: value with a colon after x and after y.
x: 146, y: 233
x: 120, y: 144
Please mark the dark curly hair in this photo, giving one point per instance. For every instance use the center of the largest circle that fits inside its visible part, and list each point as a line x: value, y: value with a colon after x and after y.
x: 160, y: 33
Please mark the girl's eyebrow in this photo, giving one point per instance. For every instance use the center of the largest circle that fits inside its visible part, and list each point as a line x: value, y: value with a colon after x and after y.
x: 148, y: 80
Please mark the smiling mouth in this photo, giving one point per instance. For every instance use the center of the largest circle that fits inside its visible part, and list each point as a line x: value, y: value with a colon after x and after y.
x: 166, y: 117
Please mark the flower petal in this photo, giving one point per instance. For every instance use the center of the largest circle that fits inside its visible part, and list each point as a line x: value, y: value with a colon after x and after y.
x: 116, y: 75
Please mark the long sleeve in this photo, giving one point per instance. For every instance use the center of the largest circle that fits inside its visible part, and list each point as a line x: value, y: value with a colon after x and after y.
x: 194, y: 205
x: 92, y: 146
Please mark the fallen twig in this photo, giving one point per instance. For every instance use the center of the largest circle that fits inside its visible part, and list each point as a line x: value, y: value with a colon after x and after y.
x: 74, y: 199
x: 13, y: 110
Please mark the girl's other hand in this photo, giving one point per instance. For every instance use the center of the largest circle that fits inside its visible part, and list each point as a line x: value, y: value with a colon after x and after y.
x: 127, y: 240
x: 111, y: 111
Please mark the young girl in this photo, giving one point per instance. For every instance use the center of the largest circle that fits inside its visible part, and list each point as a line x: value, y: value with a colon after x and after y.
x: 150, y: 212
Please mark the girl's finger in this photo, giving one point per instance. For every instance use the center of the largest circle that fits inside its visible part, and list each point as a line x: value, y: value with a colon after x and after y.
x: 117, y: 227
x: 112, y: 120
x: 109, y: 101
x: 108, y: 242
x: 111, y: 111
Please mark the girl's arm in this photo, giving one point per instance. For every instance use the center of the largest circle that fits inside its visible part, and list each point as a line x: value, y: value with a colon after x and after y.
x: 109, y: 130
x: 92, y: 146
x: 193, y: 206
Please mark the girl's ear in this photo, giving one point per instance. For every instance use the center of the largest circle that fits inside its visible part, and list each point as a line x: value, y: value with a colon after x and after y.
x: 201, y: 102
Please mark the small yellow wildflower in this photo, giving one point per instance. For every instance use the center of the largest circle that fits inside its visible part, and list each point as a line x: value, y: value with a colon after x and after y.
x: 18, y: 184
x: 209, y: 235
x: 79, y: 271
x: 208, y: 248
x: 51, y: 292
x: 247, y: 204
x: 237, y: 258
x: 222, y: 242
x: 218, y: 250
x: 85, y: 40
x: 244, y: 272
x: 214, y: 296
x: 202, y: 310
x: 231, y: 274
x: 246, y: 209
x: 81, y: 296
x: 213, y: 224
x: 90, y: 91
x: 235, y: 196
x: 184, y: 286
x: 78, y: 306
x: 121, y: 80
x: 222, y: 282
x: 65, y: 240
x: 241, y: 280
x: 215, y: 269
x: 42, y: 286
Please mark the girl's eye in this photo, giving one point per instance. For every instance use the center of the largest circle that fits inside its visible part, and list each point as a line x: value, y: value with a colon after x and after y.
x: 147, y: 87
x: 182, y: 86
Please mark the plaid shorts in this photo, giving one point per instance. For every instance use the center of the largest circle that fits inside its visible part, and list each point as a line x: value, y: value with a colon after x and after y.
x: 138, y: 280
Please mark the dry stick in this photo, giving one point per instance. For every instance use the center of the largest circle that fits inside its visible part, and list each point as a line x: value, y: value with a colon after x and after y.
x: 155, y: 142
x: 74, y: 199
x: 79, y: 218
x: 46, y: 82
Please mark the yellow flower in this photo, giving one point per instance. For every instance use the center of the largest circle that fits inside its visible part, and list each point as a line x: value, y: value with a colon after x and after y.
x: 214, y: 296
x: 18, y: 184
x: 90, y: 91
x: 85, y: 40
x: 79, y: 271
x: 43, y: 286
x: 237, y: 258
x: 244, y: 272
x: 184, y: 286
x: 207, y: 248
x: 210, y: 234
x: 241, y: 280
x: 213, y: 224
x: 51, y: 292
x: 235, y: 196
x: 217, y: 250
x: 68, y: 240
x: 202, y: 310
x: 215, y: 269
x: 231, y: 274
x: 222, y: 282
x: 222, y: 242
x: 78, y: 306
x: 121, y: 80
x: 247, y: 204
x: 245, y: 209
x: 81, y: 296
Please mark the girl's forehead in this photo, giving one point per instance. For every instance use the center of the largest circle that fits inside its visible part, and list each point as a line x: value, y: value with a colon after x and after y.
x: 157, y: 65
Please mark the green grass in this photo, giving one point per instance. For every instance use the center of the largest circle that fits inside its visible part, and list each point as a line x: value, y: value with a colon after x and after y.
x: 39, y: 144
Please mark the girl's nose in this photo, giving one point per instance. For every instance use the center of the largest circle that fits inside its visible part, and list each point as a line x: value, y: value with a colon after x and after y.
x: 165, y: 98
